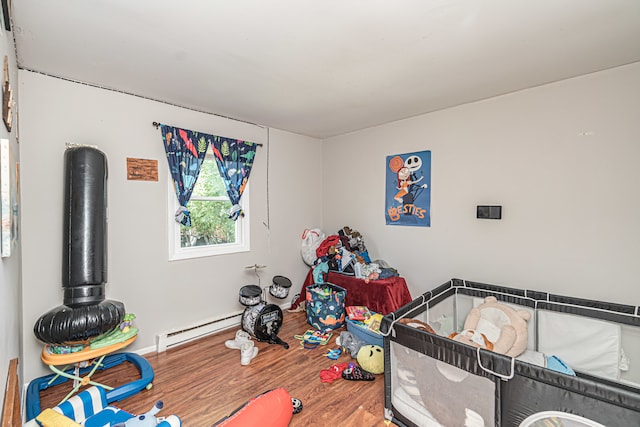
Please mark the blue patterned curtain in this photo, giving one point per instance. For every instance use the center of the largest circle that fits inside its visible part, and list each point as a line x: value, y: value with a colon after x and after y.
x: 185, y: 152
x: 235, y: 159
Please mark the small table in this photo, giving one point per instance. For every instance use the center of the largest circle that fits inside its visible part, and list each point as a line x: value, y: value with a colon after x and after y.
x: 382, y: 295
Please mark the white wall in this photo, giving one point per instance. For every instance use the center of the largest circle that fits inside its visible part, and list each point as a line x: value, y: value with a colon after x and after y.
x: 164, y: 295
x: 9, y: 267
x: 562, y: 160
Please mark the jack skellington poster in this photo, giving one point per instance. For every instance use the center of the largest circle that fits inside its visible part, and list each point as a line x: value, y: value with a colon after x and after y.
x: 408, y: 189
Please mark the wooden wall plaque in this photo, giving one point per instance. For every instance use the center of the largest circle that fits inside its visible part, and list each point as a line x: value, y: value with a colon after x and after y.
x: 142, y: 169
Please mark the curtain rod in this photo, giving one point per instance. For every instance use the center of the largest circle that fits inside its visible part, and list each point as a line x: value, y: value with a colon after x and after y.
x: 156, y: 125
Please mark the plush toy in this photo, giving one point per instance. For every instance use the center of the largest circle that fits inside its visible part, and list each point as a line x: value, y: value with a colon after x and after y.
x: 145, y: 420
x: 127, y: 322
x: 350, y: 343
x: 497, y: 327
x: 371, y: 359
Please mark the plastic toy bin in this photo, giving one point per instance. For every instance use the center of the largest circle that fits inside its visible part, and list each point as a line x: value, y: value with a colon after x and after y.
x: 366, y: 335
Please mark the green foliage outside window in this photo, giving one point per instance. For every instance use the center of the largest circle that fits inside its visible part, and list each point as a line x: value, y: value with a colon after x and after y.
x: 209, y: 206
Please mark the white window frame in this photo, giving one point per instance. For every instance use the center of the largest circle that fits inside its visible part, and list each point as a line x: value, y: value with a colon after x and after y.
x: 176, y: 252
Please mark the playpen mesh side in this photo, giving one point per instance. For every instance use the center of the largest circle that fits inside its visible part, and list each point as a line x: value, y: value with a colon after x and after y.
x: 413, y: 397
x: 430, y: 393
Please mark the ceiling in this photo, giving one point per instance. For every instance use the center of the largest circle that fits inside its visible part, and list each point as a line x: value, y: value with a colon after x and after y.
x: 323, y: 68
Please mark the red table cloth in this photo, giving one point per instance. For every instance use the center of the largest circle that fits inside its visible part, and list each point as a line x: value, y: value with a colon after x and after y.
x: 382, y: 295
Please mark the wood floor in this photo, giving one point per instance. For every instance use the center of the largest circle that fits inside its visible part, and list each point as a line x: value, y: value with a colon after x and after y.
x: 203, y: 381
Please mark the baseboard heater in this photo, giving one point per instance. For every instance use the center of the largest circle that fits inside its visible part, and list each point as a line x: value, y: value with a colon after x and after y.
x: 184, y: 335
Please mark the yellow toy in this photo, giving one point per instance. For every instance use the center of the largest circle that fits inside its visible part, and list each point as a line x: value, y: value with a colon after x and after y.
x: 51, y: 418
x: 371, y: 359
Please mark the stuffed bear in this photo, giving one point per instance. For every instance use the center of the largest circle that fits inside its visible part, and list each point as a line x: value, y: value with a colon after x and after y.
x: 497, y: 327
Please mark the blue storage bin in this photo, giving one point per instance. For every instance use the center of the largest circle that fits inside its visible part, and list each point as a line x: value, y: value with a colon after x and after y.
x: 364, y: 333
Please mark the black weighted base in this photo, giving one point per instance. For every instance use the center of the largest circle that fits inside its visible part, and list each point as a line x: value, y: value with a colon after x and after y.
x: 66, y: 325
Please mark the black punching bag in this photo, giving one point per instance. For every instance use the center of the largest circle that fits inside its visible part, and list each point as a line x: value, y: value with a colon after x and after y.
x: 84, y: 248
x: 85, y: 313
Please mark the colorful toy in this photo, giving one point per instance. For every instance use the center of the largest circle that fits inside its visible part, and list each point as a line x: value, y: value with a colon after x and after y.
x: 145, y: 370
x: 127, y: 322
x: 371, y: 359
x: 89, y: 408
x: 312, y: 338
x: 334, y: 354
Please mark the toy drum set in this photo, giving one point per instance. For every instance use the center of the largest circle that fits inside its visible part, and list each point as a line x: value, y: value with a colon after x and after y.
x: 261, y: 319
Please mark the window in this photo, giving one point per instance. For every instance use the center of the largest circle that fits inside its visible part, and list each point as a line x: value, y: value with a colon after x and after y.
x: 211, y: 231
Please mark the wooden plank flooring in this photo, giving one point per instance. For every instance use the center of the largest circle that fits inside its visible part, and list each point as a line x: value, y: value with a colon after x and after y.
x: 203, y: 381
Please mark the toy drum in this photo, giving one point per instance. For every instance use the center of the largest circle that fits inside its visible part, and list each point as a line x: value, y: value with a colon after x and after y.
x: 263, y: 321
x: 280, y: 287
x: 250, y: 295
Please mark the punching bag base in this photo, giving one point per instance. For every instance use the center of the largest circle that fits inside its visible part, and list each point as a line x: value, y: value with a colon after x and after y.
x: 65, y: 325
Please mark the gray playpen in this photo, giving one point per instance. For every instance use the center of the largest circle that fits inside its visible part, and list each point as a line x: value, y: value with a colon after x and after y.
x: 431, y: 380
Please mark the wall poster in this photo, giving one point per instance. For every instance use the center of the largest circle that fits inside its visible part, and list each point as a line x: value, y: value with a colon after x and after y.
x: 408, y: 189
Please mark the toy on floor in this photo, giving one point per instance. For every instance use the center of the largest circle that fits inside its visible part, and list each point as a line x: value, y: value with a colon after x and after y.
x: 263, y: 322
x: 350, y: 342
x: 147, y: 419
x: 334, y: 354
x: 89, y: 408
x: 497, y: 327
x: 332, y: 373
x: 312, y: 338
x: 273, y: 408
x: 371, y: 359
x: 297, y: 405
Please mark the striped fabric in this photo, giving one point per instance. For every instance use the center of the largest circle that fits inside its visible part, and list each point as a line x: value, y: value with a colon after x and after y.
x: 84, y: 404
x: 89, y: 408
